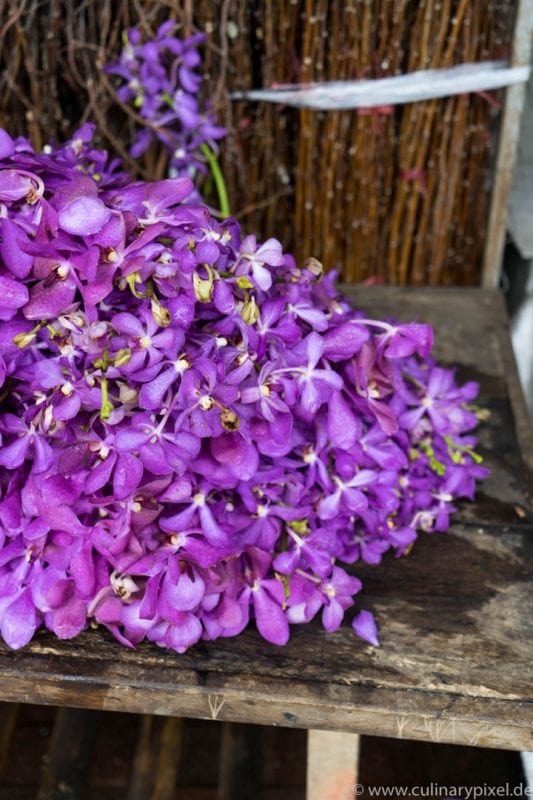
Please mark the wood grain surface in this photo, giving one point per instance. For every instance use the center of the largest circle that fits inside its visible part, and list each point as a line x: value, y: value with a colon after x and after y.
x: 454, y: 616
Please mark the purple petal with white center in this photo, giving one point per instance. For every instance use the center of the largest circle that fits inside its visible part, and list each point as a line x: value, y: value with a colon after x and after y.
x: 329, y: 506
x: 15, y: 184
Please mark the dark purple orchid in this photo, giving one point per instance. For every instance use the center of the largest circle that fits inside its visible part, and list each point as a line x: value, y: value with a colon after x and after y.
x: 195, y: 432
x: 159, y: 79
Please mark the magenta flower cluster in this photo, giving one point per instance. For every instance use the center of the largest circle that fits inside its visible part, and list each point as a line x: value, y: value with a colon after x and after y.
x: 159, y: 78
x: 195, y: 431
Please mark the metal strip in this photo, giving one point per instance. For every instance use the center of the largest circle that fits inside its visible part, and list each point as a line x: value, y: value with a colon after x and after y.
x: 409, y: 88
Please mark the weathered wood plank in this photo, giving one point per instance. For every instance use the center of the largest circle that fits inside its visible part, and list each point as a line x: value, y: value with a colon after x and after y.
x: 432, y: 714
x: 455, y: 662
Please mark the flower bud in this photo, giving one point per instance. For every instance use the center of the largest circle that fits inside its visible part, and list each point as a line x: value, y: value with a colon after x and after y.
x: 250, y: 311
x: 315, y: 267
x: 22, y: 340
x: 243, y: 282
x: 127, y: 394
x: 160, y: 314
x: 122, y: 357
x: 203, y: 287
x: 299, y: 526
x: 132, y: 280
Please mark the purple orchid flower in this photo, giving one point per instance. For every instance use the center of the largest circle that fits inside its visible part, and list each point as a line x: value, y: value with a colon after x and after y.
x: 195, y: 432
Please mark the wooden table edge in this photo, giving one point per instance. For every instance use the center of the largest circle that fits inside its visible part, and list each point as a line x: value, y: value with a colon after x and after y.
x: 437, y: 716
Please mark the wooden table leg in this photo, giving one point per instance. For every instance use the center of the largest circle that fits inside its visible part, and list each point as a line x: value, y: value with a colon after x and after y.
x: 241, y: 761
x: 156, y: 760
x: 65, y: 773
x: 332, y: 765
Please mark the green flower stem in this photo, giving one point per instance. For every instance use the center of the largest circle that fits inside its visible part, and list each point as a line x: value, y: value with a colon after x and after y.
x: 218, y: 178
x: 437, y: 466
x: 106, y: 405
x: 455, y: 451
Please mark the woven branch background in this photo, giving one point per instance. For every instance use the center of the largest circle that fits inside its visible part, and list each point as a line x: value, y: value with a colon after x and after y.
x: 398, y: 195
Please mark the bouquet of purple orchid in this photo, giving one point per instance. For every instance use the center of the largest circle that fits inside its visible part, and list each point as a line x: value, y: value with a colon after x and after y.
x: 159, y: 79
x: 196, y: 431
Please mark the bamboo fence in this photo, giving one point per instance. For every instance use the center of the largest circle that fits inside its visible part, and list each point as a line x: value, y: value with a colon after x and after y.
x: 391, y: 194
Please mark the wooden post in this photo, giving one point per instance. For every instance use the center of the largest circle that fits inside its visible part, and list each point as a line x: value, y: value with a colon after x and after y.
x: 157, y: 757
x: 509, y: 134
x: 241, y: 757
x: 65, y: 773
x: 332, y: 765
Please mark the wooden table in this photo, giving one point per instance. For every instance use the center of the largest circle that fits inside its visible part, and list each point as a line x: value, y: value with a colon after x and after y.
x: 455, y: 663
